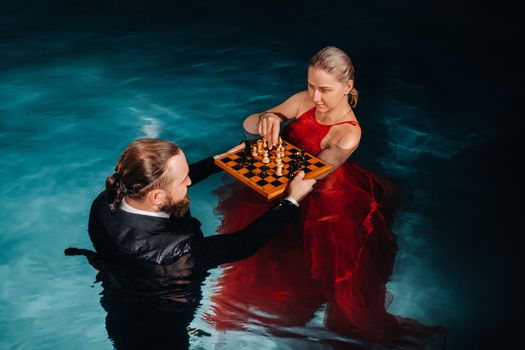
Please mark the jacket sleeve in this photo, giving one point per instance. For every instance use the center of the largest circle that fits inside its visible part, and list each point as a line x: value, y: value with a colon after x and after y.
x: 215, y: 250
x: 202, y: 169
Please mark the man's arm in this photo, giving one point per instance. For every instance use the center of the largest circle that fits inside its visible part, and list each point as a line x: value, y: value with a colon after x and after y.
x: 215, y: 250
x: 202, y: 169
x: 206, y: 167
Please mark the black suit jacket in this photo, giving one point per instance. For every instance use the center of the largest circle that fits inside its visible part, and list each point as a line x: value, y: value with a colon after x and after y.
x: 152, y: 255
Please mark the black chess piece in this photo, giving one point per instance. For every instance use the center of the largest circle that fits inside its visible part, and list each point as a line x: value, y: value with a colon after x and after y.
x: 263, y: 172
x: 242, y: 161
x: 301, y: 157
x: 246, y: 156
x: 246, y: 159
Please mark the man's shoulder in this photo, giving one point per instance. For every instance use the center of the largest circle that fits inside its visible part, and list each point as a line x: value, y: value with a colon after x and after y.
x: 99, y: 200
x: 146, y: 238
x: 99, y: 207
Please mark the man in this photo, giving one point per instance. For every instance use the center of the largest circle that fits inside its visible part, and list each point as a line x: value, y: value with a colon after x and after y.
x: 143, y: 214
x: 150, y: 249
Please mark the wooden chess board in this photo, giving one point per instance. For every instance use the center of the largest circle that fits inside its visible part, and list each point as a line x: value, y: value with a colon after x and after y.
x: 248, y: 170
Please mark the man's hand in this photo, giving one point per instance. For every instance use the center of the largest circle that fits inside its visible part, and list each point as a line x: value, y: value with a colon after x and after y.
x: 299, y: 187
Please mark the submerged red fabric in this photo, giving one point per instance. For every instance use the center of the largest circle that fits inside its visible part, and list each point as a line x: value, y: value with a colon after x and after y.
x: 341, y: 252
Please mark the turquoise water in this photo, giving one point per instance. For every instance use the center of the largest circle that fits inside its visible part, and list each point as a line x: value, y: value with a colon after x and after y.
x: 72, y: 99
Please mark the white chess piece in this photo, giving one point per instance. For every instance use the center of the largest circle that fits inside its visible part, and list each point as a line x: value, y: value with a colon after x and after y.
x: 279, y: 171
x: 265, y: 159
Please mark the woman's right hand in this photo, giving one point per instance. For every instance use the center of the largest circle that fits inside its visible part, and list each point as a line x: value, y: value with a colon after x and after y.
x: 269, y: 126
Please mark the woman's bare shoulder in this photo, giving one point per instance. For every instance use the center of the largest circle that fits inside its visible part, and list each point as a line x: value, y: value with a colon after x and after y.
x: 303, y: 102
x: 345, y: 136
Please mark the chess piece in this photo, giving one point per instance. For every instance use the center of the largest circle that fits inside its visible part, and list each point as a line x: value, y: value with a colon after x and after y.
x: 280, y: 151
x: 259, y: 146
x: 278, y: 158
x: 265, y: 159
x: 301, y: 157
x: 243, y: 161
x: 265, y: 144
x: 279, y: 170
x: 255, y: 153
x: 263, y: 172
x: 247, y: 146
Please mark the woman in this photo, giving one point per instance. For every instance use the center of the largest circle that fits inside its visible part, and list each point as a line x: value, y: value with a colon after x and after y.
x: 342, y: 253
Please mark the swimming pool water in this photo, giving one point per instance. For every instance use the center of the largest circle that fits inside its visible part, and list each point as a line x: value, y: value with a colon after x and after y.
x: 72, y: 98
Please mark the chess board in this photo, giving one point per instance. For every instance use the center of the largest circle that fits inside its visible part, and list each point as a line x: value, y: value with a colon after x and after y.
x: 248, y: 169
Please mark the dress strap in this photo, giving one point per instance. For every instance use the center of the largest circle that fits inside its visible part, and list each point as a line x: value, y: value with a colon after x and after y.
x: 353, y: 122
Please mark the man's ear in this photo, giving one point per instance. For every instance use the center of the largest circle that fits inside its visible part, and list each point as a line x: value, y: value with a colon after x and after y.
x: 156, y: 198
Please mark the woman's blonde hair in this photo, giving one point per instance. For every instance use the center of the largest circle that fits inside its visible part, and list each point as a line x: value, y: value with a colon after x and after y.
x: 336, y: 61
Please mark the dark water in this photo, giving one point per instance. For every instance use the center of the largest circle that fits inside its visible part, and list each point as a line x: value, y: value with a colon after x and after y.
x: 437, y: 81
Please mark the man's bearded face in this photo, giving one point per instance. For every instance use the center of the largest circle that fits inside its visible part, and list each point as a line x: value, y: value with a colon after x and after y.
x: 176, y: 209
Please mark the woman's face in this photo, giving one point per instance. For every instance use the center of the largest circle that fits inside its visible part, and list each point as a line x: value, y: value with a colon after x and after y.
x: 326, y: 91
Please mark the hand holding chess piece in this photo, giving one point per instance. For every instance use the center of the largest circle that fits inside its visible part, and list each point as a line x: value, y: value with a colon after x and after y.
x: 268, y: 126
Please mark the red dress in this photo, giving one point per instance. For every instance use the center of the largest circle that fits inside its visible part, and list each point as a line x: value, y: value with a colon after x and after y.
x: 341, y: 252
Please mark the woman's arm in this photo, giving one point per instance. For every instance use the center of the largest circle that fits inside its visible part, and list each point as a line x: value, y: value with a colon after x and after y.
x: 339, y: 146
x: 267, y: 124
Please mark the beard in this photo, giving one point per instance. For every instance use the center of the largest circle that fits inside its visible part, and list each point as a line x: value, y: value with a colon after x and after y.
x: 177, y: 209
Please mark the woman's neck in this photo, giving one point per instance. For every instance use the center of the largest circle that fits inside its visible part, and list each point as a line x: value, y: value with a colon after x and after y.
x: 334, y: 116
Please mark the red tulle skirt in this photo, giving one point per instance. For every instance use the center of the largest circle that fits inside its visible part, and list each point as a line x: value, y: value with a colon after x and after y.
x: 339, y: 253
